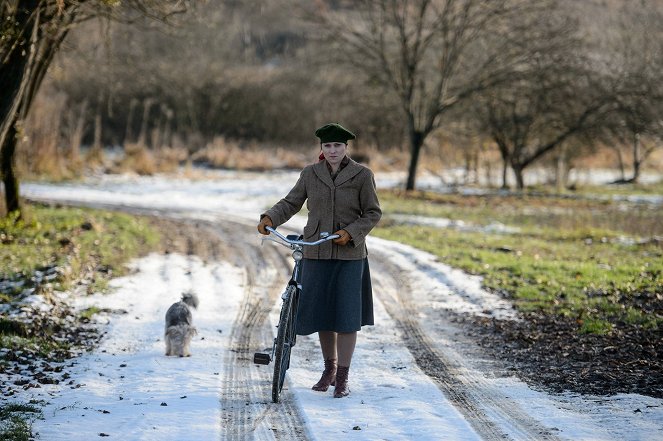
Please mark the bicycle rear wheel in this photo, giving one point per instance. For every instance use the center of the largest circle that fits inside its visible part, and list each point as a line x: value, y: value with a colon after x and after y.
x: 285, y: 340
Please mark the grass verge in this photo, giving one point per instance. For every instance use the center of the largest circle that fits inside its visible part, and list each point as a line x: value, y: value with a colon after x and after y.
x: 52, y: 248
x: 16, y: 421
x: 531, y: 211
x: 56, y: 248
x: 561, y: 263
x: 75, y: 241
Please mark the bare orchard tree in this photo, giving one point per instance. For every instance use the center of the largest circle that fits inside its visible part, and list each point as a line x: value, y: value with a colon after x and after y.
x: 559, y: 95
x: 637, y: 60
x: 31, y: 33
x: 528, y: 121
x: 431, y: 54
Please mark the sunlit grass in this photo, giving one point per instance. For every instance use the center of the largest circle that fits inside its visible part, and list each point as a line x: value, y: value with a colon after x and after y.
x: 88, y: 313
x: 76, y: 239
x: 43, y: 346
x: 575, y: 267
x: 531, y: 212
x: 16, y: 421
x: 622, y: 189
x: 80, y: 243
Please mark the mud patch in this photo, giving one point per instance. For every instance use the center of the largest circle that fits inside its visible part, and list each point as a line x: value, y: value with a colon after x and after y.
x: 550, y: 354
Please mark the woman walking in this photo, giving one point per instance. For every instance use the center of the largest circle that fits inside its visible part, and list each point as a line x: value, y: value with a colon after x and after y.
x: 337, y: 297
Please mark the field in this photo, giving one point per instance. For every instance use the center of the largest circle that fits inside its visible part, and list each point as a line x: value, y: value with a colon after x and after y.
x: 599, y: 262
x: 585, y: 273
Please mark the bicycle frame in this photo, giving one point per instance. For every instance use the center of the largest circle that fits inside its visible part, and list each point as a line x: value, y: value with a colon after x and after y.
x: 286, y: 335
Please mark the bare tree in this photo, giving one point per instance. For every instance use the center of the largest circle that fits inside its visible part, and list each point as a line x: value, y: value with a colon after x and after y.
x: 432, y: 54
x: 28, y: 48
x: 32, y: 32
x: 637, y: 57
x: 530, y: 120
x: 560, y: 94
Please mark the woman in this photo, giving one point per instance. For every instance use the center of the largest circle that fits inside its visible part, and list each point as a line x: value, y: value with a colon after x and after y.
x: 336, y: 298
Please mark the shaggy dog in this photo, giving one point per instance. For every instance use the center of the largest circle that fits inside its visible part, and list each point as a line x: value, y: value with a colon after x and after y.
x: 179, y: 328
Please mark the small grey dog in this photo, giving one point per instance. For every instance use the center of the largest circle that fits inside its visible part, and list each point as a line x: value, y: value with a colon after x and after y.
x: 179, y: 327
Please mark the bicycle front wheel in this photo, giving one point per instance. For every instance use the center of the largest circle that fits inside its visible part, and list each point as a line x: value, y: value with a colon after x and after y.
x: 285, y: 339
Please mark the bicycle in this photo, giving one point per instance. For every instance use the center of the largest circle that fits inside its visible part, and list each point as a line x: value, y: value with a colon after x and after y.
x: 286, y: 335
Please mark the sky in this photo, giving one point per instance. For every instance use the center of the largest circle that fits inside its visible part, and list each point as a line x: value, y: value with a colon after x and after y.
x: 126, y: 388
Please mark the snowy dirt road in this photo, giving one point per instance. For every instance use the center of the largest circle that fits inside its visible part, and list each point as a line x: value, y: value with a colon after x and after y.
x: 414, y: 374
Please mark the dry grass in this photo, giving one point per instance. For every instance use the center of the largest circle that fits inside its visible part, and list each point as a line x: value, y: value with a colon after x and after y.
x: 221, y: 153
x: 169, y: 159
x: 227, y: 154
x: 240, y: 155
x: 45, y: 154
x: 95, y: 158
x: 606, y: 158
x: 139, y: 159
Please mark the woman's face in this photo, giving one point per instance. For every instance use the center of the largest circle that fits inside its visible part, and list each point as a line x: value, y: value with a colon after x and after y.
x: 334, y: 151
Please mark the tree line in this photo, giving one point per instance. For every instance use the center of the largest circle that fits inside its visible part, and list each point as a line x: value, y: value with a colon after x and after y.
x: 536, y: 78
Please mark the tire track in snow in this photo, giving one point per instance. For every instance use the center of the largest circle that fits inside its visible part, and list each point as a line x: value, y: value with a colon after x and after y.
x: 247, y: 410
x: 493, y: 417
x: 129, y: 363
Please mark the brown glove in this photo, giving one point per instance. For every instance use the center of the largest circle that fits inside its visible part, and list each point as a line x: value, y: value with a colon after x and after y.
x: 343, y: 239
x: 266, y: 221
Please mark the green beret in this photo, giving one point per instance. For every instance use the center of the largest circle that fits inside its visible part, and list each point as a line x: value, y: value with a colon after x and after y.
x: 334, y: 133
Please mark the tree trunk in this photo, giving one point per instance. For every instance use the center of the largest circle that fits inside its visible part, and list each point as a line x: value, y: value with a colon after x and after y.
x: 15, y: 77
x: 471, y: 172
x: 21, y: 76
x: 467, y: 173
x: 518, y: 172
x: 488, y: 172
x: 506, y: 157
x: 560, y: 171
x: 475, y: 166
x: 14, y: 71
x: 96, y: 141
x: 620, y: 163
x: 128, y: 134
x: 142, y: 136
x: 77, y: 134
x: 416, y: 141
x: 9, y: 179
x: 167, y: 138
x: 95, y: 156
x: 637, y: 159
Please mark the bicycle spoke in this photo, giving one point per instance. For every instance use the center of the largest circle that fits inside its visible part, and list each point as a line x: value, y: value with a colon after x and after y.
x: 283, y: 343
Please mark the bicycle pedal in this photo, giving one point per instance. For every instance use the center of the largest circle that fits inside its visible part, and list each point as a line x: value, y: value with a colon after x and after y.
x: 260, y: 358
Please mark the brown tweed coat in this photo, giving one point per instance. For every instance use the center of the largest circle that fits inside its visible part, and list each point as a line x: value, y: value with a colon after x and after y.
x: 349, y: 202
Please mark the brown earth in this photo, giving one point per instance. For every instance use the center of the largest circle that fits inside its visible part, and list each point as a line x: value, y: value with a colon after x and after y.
x: 550, y: 353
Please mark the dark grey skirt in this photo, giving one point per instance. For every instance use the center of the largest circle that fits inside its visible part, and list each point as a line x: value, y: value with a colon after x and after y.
x: 336, y: 296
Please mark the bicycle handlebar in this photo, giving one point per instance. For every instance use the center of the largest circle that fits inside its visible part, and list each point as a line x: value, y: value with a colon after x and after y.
x: 301, y: 242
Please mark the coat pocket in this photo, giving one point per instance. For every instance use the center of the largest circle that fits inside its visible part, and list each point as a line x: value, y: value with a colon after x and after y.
x: 312, y: 230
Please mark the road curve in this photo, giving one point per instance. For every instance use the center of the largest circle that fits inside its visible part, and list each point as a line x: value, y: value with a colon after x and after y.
x: 492, y: 415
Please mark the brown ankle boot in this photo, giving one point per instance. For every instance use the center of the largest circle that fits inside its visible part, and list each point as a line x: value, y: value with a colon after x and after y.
x: 342, y: 389
x: 328, y: 376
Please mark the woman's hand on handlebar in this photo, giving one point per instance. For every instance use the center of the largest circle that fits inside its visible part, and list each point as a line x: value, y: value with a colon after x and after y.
x: 343, y: 237
x: 266, y: 221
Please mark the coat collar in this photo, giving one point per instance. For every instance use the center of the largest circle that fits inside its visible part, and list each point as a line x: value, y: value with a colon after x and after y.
x: 348, y: 172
